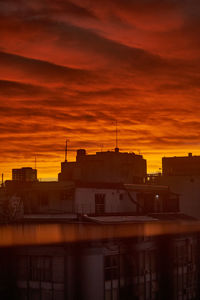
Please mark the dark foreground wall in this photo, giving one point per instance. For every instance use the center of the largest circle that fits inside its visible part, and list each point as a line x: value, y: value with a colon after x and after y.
x: 142, y: 268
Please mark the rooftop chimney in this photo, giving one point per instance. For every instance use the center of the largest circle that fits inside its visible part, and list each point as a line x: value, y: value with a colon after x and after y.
x: 80, y: 154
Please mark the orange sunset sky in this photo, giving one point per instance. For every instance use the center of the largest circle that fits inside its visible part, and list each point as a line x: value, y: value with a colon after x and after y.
x: 69, y: 69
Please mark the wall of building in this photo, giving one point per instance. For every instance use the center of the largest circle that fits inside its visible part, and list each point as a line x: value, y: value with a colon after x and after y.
x: 48, y: 197
x: 11, y: 207
x: 40, y: 273
x: 115, y: 200
x: 140, y: 199
x: 188, y: 188
x: 92, y: 274
x: 185, y: 165
x: 140, y: 268
x: 91, y: 198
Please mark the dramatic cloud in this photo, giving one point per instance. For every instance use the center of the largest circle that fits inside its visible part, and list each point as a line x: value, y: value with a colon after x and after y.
x: 69, y: 69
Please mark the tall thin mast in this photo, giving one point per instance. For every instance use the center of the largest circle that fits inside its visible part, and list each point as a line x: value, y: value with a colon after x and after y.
x: 66, y: 151
x: 116, y: 135
x: 35, y: 162
x: 116, y: 146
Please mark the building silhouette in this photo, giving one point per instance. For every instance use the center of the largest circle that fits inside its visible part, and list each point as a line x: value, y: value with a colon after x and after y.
x: 108, y: 166
x: 182, y: 175
x: 24, y: 174
x: 183, y: 165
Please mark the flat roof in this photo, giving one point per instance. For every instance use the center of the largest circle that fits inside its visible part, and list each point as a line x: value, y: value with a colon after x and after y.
x: 120, y: 219
x: 145, y: 187
x: 47, y: 217
x: 121, y: 186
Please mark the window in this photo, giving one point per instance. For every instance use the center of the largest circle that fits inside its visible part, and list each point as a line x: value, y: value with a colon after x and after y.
x: 40, y: 268
x: 111, y: 268
x: 22, y: 267
x: 148, y: 202
x: 66, y: 194
x: 34, y: 294
x: 121, y: 196
x: 47, y: 295
x: 100, y: 204
x: 157, y: 203
x: 23, y: 294
x: 43, y: 198
x: 185, y: 274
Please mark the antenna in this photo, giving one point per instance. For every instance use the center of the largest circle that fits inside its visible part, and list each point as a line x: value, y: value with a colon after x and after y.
x: 116, y: 135
x: 116, y: 147
x: 35, y: 162
x: 66, y: 151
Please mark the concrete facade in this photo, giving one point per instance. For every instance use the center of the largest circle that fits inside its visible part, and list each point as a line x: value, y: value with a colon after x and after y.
x: 188, y: 188
x: 92, y: 198
x: 134, y: 198
x: 182, y: 175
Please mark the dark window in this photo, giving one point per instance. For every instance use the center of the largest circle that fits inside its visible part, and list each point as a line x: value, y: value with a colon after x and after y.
x: 63, y: 195
x: 22, y: 267
x: 111, y: 268
x: 46, y: 295
x: 99, y: 204
x: 40, y: 268
x: 34, y: 294
x: 185, y: 273
x: 66, y: 194
x: 148, y: 203
x: 121, y: 196
x: 43, y: 198
x: 23, y: 294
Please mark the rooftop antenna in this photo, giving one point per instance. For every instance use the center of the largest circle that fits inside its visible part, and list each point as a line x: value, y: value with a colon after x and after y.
x: 35, y: 162
x: 66, y: 151
x: 116, y: 147
x: 2, y: 180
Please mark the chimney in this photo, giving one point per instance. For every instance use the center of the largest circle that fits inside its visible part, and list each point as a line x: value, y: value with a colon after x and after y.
x: 80, y: 153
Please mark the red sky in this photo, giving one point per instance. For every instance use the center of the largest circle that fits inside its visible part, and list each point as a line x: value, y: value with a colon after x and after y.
x: 69, y: 69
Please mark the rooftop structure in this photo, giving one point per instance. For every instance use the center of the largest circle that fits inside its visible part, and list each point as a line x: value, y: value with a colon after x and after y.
x: 24, y: 174
x: 96, y: 199
x: 183, y: 165
x: 108, y: 166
